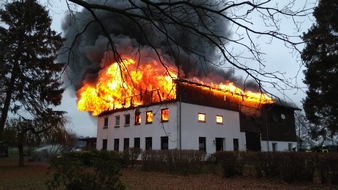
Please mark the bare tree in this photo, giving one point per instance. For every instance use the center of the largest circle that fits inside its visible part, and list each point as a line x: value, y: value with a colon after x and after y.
x: 205, y: 38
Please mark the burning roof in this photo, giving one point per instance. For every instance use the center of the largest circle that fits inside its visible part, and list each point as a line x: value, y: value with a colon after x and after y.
x: 129, y: 84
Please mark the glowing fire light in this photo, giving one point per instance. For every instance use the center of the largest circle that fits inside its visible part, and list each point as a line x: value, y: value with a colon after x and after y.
x: 128, y: 84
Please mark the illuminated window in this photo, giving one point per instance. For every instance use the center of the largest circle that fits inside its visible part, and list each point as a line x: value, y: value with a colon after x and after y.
x: 201, y: 117
x: 117, y: 121
x: 127, y: 120
x: 219, y: 119
x: 165, y: 115
x: 149, y: 117
x: 137, y: 118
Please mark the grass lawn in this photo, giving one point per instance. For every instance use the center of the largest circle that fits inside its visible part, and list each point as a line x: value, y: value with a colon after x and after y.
x: 34, y: 174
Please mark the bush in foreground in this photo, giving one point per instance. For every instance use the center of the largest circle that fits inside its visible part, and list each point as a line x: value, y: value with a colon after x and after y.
x: 86, y: 170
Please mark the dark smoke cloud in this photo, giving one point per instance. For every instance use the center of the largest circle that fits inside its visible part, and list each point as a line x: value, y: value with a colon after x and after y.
x: 88, y: 49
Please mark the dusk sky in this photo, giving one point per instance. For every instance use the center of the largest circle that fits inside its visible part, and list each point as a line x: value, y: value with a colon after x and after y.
x: 277, y: 58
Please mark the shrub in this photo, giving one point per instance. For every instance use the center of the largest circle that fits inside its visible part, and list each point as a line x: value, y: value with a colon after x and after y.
x: 129, y: 156
x: 174, y: 161
x: 231, y: 162
x: 85, y: 170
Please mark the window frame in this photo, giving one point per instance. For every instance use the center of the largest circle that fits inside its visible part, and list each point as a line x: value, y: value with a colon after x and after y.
x: 219, y: 116
x: 138, y: 144
x: 235, y: 144
x: 117, y: 121
x: 204, y: 143
x: 104, y: 144
x: 117, y: 145
x: 201, y: 116
x: 105, y: 122
x: 147, y: 117
x: 164, y: 110
x: 164, y: 143
x: 137, y: 116
x: 126, y: 142
x: 125, y: 120
x: 148, y: 146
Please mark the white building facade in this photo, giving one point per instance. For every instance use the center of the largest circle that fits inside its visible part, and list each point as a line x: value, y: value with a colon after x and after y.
x: 174, y: 125
x: 202, y: 119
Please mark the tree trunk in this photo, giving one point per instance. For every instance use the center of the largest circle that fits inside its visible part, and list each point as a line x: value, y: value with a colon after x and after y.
x: 20, y: 148
x: 7, y: 103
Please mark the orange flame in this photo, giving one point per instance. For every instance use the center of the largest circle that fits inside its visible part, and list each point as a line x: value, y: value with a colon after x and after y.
x: 128, y: 84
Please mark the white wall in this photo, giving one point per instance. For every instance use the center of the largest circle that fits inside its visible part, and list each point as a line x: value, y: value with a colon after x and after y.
x: 280, y: 145
x: 156, y: 129
x: 192, y: 129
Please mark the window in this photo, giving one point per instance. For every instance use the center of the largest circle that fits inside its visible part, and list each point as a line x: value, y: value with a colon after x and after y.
x: 105, y: 125
x: 149, y: 143
x: 137, y: 118
x: 149, y: 117
x: 104, y: 144
x: 202, y: 144
x: 219, y: 119
x: 116, y: 144
x: 117, y: 121
x: 125, y: 143
x: 164, y: 143
x: 236, y: 146
x: 290, y: 146
x: 201, y: 117
x: 137, y: 142
x: 165, y: 115
x: 126, y: 120
x: 274, y: 147
x: 219, y: 144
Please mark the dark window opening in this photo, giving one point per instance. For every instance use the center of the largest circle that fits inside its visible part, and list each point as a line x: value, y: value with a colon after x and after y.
x: 164, y: 143
x: 104, y: 144
x: 137, y: 142
x: 105, y: 125
x: 202, y: 144
x: 125, y: 143
x: 236, y: 146
x: 116, y: 144
x: 149, y: 143
x: 127, y: 119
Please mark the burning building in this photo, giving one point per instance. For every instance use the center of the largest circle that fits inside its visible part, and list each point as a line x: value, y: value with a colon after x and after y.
x: 148, y: 107
x: 155, y: 92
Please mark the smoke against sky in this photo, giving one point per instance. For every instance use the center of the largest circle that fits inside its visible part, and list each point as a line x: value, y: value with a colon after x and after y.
x: 137, y: 38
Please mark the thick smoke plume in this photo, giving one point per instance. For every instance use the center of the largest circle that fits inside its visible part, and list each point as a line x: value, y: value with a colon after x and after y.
x: 144, y: 39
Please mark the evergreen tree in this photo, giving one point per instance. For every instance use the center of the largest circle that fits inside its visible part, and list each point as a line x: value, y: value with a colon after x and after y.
x: 320, y: 57
x: 30, y: 80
